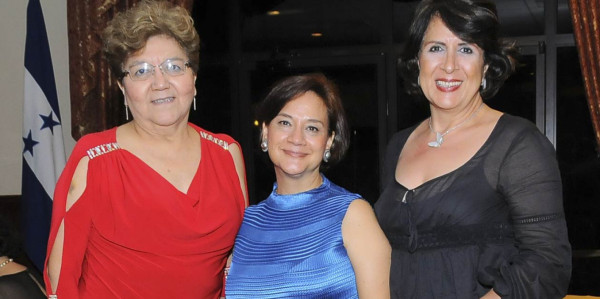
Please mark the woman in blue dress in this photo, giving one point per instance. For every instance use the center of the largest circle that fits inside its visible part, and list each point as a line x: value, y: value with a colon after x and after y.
x: 310, y: 238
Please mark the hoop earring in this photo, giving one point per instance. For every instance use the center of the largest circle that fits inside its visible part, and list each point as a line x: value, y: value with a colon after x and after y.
x: 194, y: 103
x: 419, y: 80
x: 264, y: 146
x: 326, y: 155
x: 483, y: 83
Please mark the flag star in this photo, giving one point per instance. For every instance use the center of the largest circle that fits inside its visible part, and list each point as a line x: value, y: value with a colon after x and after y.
x: 29, y: 144
x: 49, y: 122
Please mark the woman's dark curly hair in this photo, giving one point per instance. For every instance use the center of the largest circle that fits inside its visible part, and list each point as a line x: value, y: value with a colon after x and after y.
x: 473, y: 21
x: 292, y: 87
x: 128, y: 32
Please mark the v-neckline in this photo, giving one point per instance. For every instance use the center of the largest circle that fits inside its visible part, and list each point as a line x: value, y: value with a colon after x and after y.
x: 477, y: 154
x: 152, y: 170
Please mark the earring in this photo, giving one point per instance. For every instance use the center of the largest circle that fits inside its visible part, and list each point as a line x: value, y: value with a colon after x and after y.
x: 326, y: 155
x: 419, y: 80
x: 194, y: 103
x: 264, y: 146
x: 126, y: 111
x: 483, y: 83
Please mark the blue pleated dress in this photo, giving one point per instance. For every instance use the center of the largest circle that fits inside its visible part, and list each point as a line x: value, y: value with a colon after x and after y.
x: 291, y: 246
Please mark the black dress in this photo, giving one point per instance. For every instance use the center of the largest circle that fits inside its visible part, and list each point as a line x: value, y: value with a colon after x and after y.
x: 495, y: 222
x: 21, y: 285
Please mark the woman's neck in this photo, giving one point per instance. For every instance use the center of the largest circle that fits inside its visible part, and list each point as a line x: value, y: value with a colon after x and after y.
x: 287, y: 184
x: 443, y: 120
x: 10, y: 266
x: 157, y: 134
x: 172, y: 139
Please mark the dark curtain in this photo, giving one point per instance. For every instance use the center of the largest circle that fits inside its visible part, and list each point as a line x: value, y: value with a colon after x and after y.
x: 96, y: 102
x: 586, y: 25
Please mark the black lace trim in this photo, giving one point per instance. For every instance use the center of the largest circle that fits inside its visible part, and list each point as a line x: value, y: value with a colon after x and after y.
x: 540, y: 218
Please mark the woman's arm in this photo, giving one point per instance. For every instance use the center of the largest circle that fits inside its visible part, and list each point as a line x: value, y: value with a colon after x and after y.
x: 368, y: 249
x: 238, y: 160
x: 529, y: 179
x: 70, y: 230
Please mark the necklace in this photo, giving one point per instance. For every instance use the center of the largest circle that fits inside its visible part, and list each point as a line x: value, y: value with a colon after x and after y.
x: 439, y: 137
x: 5, y: 262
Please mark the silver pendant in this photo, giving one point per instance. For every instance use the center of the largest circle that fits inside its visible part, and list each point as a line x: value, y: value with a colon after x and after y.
x: 439, y: 139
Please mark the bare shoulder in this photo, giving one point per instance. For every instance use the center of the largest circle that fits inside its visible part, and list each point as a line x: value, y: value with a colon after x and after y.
x: 238, y: 160
x: 360, y: 224
x: 235, y: 150
x: 359, y: 210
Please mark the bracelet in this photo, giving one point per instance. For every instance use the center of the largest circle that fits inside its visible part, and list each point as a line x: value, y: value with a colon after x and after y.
x: 226, y: 271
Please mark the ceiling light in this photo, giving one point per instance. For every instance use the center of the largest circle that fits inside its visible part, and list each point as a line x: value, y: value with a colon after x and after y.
x: 316, y: 34
x: 273, y: 12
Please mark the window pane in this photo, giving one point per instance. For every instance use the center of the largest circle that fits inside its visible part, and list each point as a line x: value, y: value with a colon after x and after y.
x: 213, y: 102
x: 212, y: 23
x: 579, y: 162
x: 403, y: 16
x: 517, y: 17
x: 521, y: 18
x: 517, y: 95
x: 341, y: 23
x: 565, y: 22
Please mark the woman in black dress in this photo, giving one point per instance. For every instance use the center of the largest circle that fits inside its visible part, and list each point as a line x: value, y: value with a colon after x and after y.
x: 16, y: 280
x: 471, y: 197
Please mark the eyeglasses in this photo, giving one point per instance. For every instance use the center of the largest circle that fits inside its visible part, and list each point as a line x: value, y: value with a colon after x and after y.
x: 142, y: 71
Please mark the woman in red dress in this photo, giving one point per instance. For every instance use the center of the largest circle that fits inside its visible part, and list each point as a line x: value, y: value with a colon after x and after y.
x: 149, y: 209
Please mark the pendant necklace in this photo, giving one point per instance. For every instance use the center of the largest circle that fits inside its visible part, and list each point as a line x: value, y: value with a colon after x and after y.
x: 439, y: 137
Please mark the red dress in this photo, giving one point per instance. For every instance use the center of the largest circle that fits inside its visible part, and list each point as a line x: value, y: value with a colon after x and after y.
x: 134, y: 235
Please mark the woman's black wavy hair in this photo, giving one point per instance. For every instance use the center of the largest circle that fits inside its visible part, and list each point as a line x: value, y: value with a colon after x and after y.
x: 473, y: 21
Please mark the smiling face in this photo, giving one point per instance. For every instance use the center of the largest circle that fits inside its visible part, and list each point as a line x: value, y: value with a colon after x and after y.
x: 298, y: 136
x: 451, y: 70
x: 161, y: 99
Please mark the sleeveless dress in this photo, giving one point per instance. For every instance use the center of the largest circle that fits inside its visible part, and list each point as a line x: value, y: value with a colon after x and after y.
x: 291, y: 246
x: 134, y: 235
x: 495, y: 222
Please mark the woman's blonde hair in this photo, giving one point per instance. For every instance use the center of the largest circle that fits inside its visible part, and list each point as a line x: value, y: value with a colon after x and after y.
x: 128, y: 32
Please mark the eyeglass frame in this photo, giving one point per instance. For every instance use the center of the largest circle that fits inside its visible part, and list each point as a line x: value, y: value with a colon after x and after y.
x: 186, y: 65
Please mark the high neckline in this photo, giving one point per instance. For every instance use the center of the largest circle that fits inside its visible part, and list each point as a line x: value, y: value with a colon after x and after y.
x: 296, y: 200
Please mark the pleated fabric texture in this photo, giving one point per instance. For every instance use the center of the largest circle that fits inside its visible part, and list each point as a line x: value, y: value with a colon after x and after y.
x: 291, y: 246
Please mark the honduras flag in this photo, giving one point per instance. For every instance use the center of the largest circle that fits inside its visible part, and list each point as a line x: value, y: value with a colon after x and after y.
x: 43, y: 147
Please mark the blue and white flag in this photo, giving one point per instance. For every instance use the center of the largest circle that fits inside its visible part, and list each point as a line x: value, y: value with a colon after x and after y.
x: 43, y: 147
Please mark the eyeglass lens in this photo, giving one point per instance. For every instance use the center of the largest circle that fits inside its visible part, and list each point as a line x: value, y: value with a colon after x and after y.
x: 144, y: 70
